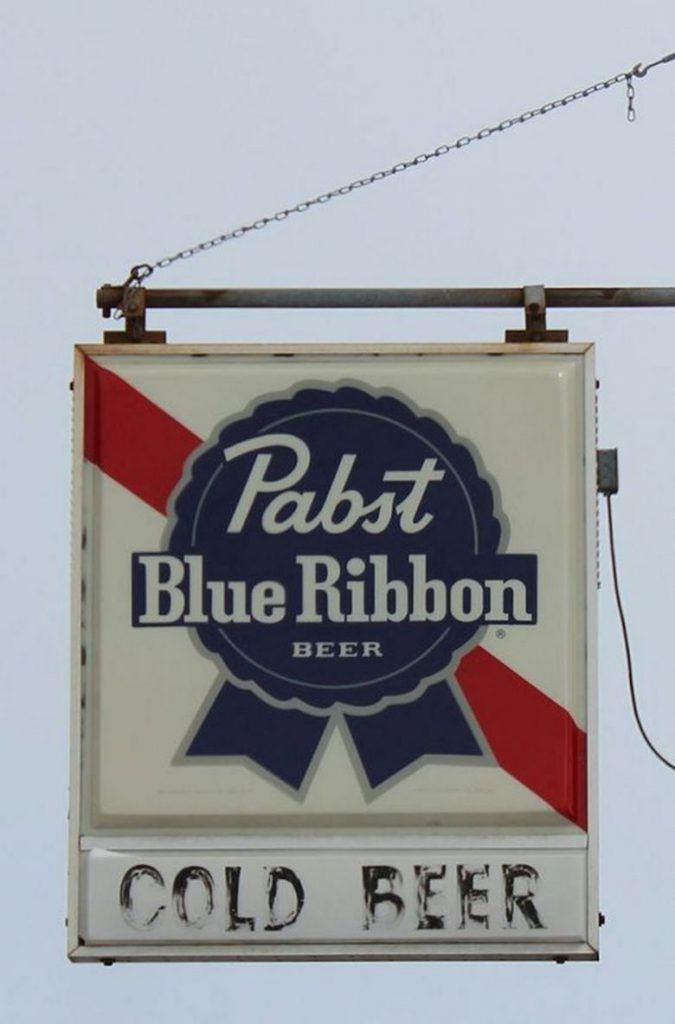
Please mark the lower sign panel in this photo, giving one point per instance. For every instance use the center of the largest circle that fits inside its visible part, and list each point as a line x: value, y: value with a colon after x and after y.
x: 249, y: 904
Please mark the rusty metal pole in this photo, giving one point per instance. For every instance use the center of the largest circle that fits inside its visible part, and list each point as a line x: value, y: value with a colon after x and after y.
x: 534, y: 300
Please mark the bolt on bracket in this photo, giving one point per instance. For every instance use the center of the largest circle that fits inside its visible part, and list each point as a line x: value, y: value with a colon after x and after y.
x: 534, y: 301
x: 132, y: 307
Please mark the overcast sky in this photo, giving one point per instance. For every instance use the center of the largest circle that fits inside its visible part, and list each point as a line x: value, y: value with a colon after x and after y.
x: 134, y: 129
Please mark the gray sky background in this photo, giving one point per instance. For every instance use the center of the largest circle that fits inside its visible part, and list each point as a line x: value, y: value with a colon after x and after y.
x: 133, y: 129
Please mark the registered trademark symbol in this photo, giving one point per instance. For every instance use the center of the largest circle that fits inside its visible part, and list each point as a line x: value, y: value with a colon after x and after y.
x: 501, y: 633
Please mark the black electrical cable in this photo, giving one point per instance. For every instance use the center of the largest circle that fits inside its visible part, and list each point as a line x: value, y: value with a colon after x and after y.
x: 626, y: 643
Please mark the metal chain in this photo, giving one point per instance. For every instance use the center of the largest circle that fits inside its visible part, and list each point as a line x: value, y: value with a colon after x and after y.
x: 141, y: 271
x: 631, y: 113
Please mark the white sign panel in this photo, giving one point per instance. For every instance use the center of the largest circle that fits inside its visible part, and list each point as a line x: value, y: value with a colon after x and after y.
x: 334, y: 652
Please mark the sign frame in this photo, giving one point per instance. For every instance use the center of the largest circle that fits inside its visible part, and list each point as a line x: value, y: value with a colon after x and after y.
x: 333, y: 842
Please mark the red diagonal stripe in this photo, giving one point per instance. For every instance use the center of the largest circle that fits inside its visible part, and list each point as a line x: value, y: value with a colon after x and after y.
x: 533, y: 738
x: 131, y: 439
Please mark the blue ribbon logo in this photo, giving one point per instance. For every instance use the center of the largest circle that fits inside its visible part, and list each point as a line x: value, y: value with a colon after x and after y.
x: 336, y: 551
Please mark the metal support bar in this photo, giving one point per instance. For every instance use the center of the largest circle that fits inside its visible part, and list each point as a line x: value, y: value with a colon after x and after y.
x: 109, y: 297
x: 133, y: 301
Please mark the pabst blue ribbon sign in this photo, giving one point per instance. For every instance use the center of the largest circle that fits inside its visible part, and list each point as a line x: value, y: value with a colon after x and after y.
x: 333, y: 563
x: 335, y: 550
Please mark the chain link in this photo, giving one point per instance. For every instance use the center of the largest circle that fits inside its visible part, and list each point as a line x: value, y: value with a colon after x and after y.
x: 144, y: 270
x: 631, y: 113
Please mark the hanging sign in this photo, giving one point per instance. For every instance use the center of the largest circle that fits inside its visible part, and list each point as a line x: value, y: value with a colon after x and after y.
x: 336, y: 621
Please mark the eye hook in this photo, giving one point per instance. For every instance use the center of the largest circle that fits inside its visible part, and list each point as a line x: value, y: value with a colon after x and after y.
x: 137, y: 275
x: 639, y: 71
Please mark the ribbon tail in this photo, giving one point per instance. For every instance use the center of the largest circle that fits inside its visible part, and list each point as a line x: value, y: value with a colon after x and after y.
x: 239, y: 724
x: 393, y: 739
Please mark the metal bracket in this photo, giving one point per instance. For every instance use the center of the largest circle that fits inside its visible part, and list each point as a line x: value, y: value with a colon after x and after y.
x: 132, y: 307
x: 534, y: 300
